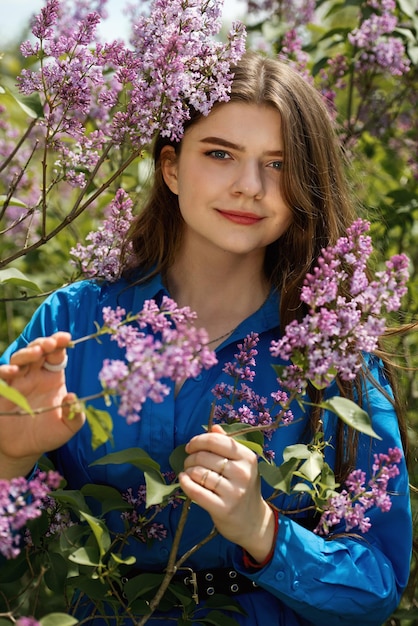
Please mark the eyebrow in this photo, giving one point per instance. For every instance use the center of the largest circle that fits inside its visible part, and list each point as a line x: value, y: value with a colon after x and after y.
x: 235, y: 146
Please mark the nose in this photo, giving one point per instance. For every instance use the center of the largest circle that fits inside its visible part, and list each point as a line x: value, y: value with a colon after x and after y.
x: 249, y: 180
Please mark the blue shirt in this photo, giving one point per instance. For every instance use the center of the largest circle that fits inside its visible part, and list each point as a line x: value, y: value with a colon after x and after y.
x: 309, y: 580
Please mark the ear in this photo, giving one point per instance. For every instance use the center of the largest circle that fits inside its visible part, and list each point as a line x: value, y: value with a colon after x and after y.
x: 168, y: 160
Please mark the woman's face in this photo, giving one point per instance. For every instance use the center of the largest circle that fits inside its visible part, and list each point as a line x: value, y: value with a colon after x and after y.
x: 228, y: 180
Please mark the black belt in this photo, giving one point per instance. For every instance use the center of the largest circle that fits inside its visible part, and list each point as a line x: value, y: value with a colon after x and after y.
x: 205, y: 583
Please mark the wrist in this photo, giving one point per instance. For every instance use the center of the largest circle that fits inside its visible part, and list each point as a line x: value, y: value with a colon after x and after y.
x: 13, y: 468
x: 260, y: 555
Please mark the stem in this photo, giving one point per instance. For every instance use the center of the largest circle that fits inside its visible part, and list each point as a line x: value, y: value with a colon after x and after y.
x: 171, y: 565
x: 18, y: 145
x: 77, y: 209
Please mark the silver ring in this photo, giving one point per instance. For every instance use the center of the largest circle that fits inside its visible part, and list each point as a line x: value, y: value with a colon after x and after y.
x: 56, y: 367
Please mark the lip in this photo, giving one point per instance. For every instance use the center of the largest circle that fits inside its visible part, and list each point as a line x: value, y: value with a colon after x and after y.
x: 240, y: 217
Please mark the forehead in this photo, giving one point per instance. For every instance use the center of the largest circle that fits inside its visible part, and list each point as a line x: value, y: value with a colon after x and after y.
x: 240, y: 123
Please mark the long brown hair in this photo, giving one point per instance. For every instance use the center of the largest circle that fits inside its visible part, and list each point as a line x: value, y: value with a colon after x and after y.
x: 312, y: 180
x: 313, y: 185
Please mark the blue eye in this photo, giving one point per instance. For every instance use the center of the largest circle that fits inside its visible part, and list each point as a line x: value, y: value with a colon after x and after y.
x: 276, y: 165
x: 218, y: 154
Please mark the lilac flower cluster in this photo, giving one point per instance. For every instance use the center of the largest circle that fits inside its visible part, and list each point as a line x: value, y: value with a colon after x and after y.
x: 345, y: 309
x: 174, y: 349
x: 252, y: 409
x: 291, y: 50
x: 352, y: 503
x: 20, y: 501
x: 181, y: 65
x: 378, y: 48
x: 102, y: 258
x: 173, y: 58
x: 141, y: 520
x: 333, y: 79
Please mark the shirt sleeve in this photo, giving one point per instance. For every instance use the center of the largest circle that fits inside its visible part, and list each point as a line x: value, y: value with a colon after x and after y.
x: 354, y: 577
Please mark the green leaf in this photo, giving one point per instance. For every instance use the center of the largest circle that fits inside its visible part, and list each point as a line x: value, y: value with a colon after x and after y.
x: 254, y: 439
x: 130, y: 560
x: 101, y: 426
x: 56, y: 575
x: 140, y: 585
x: 350, y: 413
x: 31, y: 104
x: 87, y: 555
x: 109, y: 497
x: 302, y: 487
x: 279, y: 477
x: 100, y: 532
x: 10, y: 393
x: 297, y: 451
x: 177, y: 458
x: 71, y: 498
x: 408, y: 7
x: 312, y: 467
x: 58, y: 619
x: 134, y: 456
x: 157, y: 489
x: 13, y: 202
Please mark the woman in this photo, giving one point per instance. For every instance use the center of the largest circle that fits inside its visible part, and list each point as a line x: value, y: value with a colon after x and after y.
x: 238, y: 213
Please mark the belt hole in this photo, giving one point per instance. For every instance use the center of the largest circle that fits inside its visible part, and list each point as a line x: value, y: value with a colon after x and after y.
x: 210, y: 591
x: 232, y: 574
x: 209, y: 577
x: 234, y: 588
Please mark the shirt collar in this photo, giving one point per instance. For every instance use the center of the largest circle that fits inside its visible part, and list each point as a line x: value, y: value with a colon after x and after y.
x: 264, y: 319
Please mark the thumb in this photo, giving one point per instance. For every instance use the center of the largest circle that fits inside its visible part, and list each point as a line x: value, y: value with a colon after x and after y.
x: 217, y: 428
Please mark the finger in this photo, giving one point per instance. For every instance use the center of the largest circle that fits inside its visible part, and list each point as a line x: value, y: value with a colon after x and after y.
x: 208, y: 460
x: 7, y: 372
x: 37, y: 350
x: 205, y: 489
x: 220, y: 444
x: 206, y: 478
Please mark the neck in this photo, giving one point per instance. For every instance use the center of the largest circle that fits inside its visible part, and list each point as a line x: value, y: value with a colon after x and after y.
x: 222, y: 295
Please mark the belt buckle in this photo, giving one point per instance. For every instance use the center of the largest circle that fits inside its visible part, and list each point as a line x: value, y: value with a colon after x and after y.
x: 191, y: 579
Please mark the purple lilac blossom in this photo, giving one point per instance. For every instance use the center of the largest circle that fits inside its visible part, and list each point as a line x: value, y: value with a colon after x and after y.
x: 377, y: 48
x: 173, y: 58
x: 21, y: 500
x: 336, y: 331
x: 291, y: 51
x: 176, y: 350
x: 140, y: 519
x: 352, y: 503
x: 102, y: 257
x: 237, y: 402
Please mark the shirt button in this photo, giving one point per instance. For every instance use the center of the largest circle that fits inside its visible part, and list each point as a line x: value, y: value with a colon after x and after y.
x: 198, y: 378
x: 295, y: 585
x: 279, y: 575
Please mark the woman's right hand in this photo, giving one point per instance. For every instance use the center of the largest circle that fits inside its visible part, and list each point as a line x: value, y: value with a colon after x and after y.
x: 24, y: 437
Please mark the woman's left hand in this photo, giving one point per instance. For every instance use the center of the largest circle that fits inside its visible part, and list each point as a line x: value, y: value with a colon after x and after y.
x: 221, y: 475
